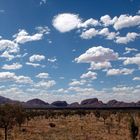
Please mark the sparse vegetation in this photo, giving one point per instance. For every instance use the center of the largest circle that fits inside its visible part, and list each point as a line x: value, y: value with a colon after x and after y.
x: 17, y: 123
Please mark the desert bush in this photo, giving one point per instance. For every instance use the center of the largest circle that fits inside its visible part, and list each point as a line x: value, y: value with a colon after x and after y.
x: 97, y: 114
x: 10, y: 115
x: 81, y: 113
x: 133, y: 128
x: 20, y: 115
x: 120, y: 116
x: 23, y: 130
x: 52, y: 125
x: 105, y: 115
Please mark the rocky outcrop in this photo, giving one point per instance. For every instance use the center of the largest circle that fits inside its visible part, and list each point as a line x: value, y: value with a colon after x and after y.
x: 75, y: 104
x: 36, y: 103
x: 92, y: 102
x: 59, y: 103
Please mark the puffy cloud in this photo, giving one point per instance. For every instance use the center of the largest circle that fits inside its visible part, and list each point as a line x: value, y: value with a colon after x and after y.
x: 89, y: 75
x: 125, y: 21
x: 45, y: 84
x: 8, y: 45
x: 92, y: 32
x: 122, y: 89
x: 36, y: 58
x: 61, y: 90
x: 88, y: 34
x: 8, y: 48
x: 16, y: 92
x: 8, y: 56
x: 97, y: 54
x: 11, y: 77
x: 126, y: 39
x: 75, y: 82
x: 98, y: 66
x: 106, y: 20
x: 66, y: 22
x: 89, y: 22
x: 23, y: 80
x: 43, y: 75
x: 23, y: 37
x: 109, y: 35
x: 123, y: 71
x: 136, y: 78
x: 132, y: 60
x: 13, y: 66
x: 82, y: 91
x: 4, y: 76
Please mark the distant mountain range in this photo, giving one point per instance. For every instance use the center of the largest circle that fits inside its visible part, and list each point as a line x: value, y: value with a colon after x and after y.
x: 93, y: 102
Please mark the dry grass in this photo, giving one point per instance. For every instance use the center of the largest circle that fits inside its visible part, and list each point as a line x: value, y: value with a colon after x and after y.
x: 74, y: 127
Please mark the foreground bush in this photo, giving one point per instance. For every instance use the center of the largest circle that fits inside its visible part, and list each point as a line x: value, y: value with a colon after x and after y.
x: 11, y: 115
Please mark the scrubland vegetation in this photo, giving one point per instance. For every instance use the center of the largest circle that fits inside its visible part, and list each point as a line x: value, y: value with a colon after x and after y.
x: 17, y: 123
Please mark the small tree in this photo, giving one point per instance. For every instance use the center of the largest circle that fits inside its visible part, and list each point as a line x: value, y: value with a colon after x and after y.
x: 97, y: 114
x: 105, y: 115
x: 133, y: 129
x: 20, y: 115
x: 10, y: 115
x: 120, y: 116
x: 7, y: 119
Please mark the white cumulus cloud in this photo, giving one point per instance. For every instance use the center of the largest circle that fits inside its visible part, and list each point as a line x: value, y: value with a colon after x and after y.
x: 12, y: 77
x: 89, y: 75
x: 36, y: 58
x: 23, y: 37
x: 123, y: 71
x: 109, y: 35
x: 106, y: 20
x: 132, y: 60
x: 125, y: 21
x: 100, y: 65
x: 88, y: 34
x: 97, y: 54
x: 45, y: 84
x: 76, y: 82
x: 8, y: 48
x: 13, y: 66
x: 88, y: 23
x: 43, y: 75
x: 128, y: 38
x: 66, y: 22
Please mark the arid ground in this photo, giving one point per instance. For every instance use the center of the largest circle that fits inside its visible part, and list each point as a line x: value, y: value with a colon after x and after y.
x: 82, y: 125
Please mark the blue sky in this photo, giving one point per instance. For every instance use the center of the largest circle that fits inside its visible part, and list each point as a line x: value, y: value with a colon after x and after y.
x: 70, y: 50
